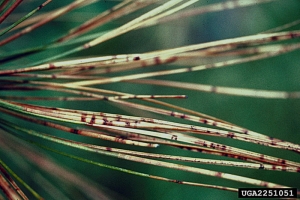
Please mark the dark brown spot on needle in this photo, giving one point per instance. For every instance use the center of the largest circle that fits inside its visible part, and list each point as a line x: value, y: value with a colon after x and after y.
x: 119, y: 140
x: 157, y: 60
x: 294, y: 35
x: 219, y: 174
x: 51, y: 66
x: 274, y: 38
x: 105, y: 121
x: 261, y: 166
x: 75, y: 131
x: 83, y: 117
x: 199, y: 150
x: 174, y: 137
x: 203, y: 121
x: 264, y: 184
x: 127, y: 124
x: 177, y: 181
x: 108, y: 149
x: 93, y: 119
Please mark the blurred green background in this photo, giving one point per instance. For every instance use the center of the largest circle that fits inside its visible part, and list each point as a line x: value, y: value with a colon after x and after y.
x: 276, y: 118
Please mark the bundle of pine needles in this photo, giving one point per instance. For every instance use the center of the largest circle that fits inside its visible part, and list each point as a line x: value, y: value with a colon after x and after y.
x: 93, y: 101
